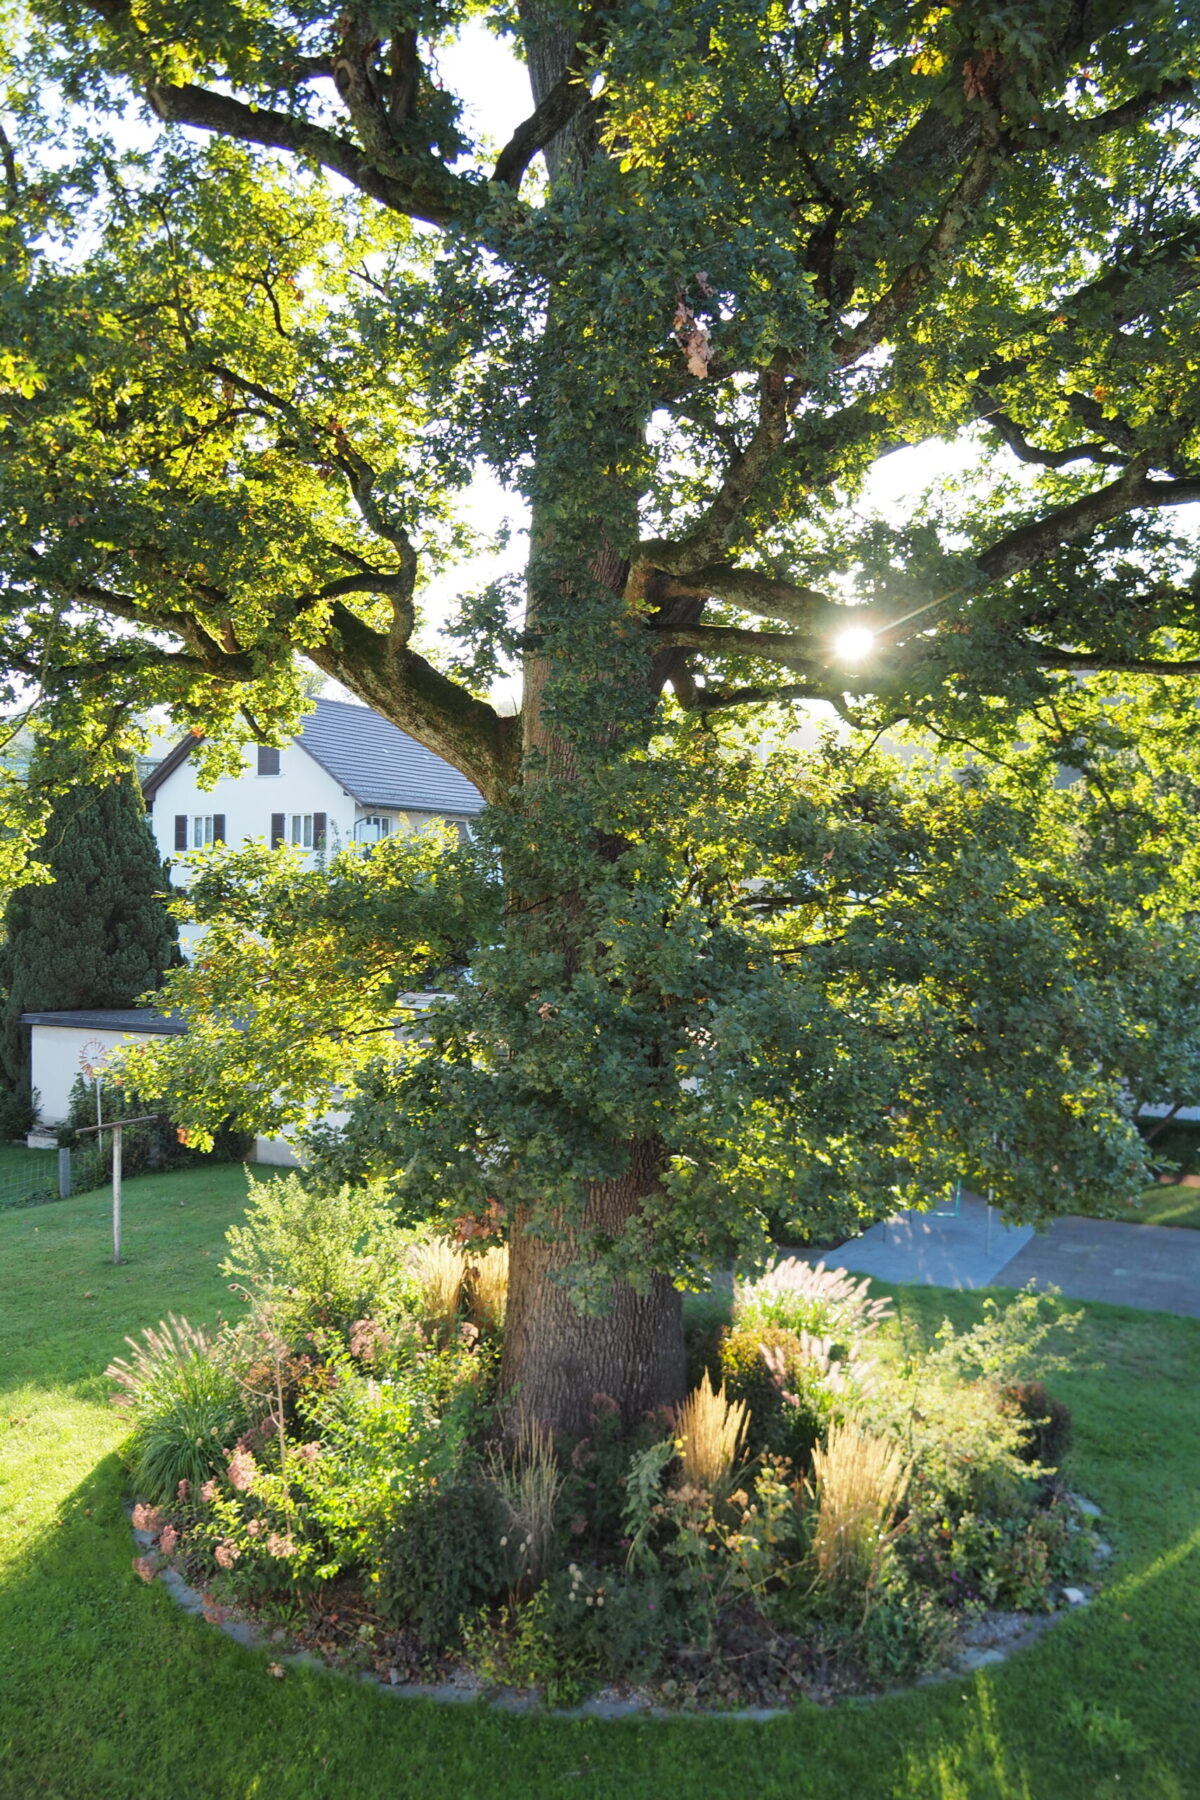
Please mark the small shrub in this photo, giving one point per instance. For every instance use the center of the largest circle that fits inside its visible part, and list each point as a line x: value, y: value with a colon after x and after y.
x: 1010, y: 1344
x: 318, y: 1259
x: 584, y: 1626
x: 904, y: 1630
x: 1046, y: 1422
x: 1011, y: 1561
x: 445, y: 1559
x: 859, y: 1481
x: 187, y: 1407
x: 712, y: 1432
x: 789, y: 1403
x: 18, y: 1112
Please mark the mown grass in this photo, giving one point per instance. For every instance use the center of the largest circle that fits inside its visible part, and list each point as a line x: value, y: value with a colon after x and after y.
x: 109, y: 1692
x: 1171, y: 1204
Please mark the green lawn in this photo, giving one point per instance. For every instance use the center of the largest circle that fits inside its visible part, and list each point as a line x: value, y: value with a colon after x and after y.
x: 1174, y: 1205
x: 109, y: 1692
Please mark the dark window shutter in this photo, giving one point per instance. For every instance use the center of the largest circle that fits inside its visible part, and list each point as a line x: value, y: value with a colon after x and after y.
x: 218, y: 828
x: 319, y: 827
x: 276, y: 830
x: 181, y: 820
x: 268, y: 759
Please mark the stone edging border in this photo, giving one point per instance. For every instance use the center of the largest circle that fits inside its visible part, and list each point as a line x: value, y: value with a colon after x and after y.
x: 1010, y: 1632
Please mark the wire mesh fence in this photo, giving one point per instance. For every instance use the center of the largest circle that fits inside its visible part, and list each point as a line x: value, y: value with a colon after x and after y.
x: 29, y: 1177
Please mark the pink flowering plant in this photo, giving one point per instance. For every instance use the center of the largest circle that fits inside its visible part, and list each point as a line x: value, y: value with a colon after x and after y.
x: 299, y: 1507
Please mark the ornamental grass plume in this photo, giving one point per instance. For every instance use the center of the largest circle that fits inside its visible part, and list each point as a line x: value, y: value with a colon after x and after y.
x: 438, y: 1268
x: 859, y: 1481
x: 174, y: 1342
x: 530, y: 1485
x: 806, y: 1296
x: 712, y: 1431
x: 489, y: 1288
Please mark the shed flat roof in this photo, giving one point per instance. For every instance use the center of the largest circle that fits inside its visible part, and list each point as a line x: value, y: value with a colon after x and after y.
x: 123, y: 1018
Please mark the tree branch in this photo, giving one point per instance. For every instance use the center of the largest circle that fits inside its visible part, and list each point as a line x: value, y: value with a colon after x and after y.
x: 954, y: 219
x: 803, y: 607
x: 420, y: 187
x: 720, y: 700
x: 556, y: 109
x: 1054, y: 127
x: 743, y: 473
x: 418, y: 698
x: 1011, y: 434
x: 1032, y: 543
x: 1051, y: 657
x: 778, y: 646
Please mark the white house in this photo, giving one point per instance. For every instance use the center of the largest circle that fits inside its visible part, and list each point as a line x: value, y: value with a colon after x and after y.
x: 350, y: 777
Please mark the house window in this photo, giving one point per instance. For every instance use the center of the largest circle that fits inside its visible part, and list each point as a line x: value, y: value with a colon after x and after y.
x: 202, y: 831
x: 307, y: 831
x: 372, y: 828
x: 268, y: 759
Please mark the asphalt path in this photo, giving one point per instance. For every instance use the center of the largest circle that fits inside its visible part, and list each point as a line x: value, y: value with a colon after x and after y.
x: 1152, y: 1266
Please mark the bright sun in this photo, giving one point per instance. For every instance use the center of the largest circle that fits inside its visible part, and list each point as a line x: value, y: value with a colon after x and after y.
x: 853, y: 644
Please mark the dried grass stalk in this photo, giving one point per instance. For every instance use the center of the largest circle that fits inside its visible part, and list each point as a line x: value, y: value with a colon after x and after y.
x: 489, y: 1296
x: 712, y: 1430
x: 530, y: 1484
x: 439, y: 1268
x: 859, y: 1481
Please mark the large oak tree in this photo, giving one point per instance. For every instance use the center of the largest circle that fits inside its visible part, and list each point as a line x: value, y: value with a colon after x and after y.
x: 266, y: 309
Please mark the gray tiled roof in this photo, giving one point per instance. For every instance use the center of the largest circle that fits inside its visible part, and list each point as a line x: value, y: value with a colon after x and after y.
x: 379, y: 765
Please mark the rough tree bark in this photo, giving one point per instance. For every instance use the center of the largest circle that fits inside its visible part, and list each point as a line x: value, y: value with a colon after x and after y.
x: 555, y: 1357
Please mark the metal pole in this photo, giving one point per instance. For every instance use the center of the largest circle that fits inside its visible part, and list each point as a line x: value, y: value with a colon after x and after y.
x: 116, y: 1193
x: 64, y: 1174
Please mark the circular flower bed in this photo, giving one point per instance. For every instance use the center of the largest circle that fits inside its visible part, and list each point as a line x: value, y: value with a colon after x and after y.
x: 830, y: 1510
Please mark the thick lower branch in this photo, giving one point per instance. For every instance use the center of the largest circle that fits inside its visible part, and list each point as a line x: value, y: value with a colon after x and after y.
x: 425, y: 190
x: 1032, y: 543
x: 409, y: 691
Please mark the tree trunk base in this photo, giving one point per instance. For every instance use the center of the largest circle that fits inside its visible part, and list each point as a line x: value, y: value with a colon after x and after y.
x: 557, y: 1361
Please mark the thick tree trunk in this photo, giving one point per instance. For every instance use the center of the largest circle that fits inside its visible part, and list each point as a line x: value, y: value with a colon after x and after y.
x: 557, y: 1360
x: 584, y: 518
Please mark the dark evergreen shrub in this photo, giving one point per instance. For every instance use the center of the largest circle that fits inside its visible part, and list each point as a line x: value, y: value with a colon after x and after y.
x: 1174, y: 1148
x: 1047, y: 1422
x: 445, y: 1560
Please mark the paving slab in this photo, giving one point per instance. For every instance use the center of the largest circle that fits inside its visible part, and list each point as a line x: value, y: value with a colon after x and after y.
x: 966, y: 1249
x: 1152, y: 1266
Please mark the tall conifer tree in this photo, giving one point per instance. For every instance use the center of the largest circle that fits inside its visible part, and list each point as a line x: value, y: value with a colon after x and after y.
x: 98, y: 934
